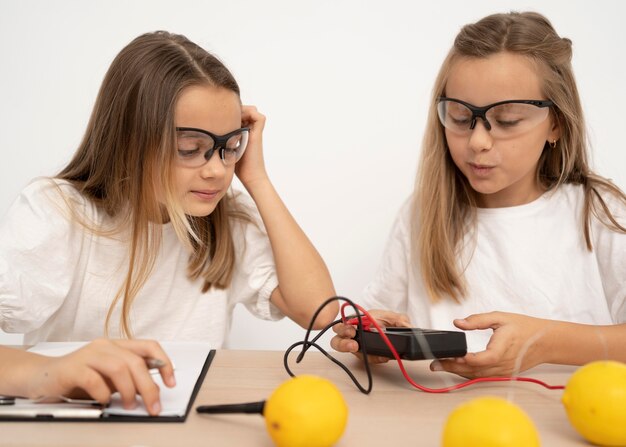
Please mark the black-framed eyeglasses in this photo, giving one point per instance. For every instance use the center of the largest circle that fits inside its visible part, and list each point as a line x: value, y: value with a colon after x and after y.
x: 502, y: 119
x: 196, y: 146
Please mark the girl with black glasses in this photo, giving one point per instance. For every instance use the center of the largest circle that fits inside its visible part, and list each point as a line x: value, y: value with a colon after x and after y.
x: 140, y: 235
x: 509, y: 234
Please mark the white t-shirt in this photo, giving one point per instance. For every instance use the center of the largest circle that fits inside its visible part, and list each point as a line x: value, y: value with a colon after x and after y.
x: 57, y: 280
x: 529, y: 259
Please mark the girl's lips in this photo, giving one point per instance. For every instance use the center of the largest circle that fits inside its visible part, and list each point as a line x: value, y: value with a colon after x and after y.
x: 206, y: 194
x: 481, y: 170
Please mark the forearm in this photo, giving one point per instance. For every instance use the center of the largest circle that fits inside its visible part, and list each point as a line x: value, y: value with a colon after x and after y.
x: 577, y: 344
x: 303, y: 278
x: 16, y: 369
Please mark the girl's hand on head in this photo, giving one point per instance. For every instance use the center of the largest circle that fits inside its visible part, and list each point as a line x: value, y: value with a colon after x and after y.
x: 343, y: 341
x: 517, y: 344
x: 251, y: 167
x: 103, y: 367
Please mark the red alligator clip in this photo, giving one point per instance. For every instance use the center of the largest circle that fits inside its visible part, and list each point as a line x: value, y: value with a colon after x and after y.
x: 365, y: 320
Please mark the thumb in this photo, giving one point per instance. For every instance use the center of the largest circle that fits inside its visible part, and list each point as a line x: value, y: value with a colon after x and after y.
x: 478, y: 321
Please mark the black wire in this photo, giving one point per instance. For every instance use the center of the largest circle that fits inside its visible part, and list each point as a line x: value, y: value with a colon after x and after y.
x: 250, y: 408
x: 306, y: 344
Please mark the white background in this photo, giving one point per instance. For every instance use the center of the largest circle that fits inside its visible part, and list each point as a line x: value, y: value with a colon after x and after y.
x: 345, y: 85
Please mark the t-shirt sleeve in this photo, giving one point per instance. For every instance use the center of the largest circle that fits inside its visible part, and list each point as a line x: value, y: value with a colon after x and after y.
x: 39, y: 247
x: 254, y: 276
x: 610, y: 248
x: 389, y: 288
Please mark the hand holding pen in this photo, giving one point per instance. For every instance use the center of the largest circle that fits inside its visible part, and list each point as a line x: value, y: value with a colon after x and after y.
x: 98, y: 370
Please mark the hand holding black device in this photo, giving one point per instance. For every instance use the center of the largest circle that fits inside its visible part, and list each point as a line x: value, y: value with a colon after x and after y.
x: 415, y: 343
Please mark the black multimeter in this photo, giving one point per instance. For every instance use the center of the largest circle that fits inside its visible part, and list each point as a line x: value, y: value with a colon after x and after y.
x: 415, y: 343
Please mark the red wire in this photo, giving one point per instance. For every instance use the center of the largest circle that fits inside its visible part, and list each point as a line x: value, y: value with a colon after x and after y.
x: 372, y: 321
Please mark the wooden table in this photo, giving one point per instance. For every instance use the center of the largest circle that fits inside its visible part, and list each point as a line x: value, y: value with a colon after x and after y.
x: 393, y: 413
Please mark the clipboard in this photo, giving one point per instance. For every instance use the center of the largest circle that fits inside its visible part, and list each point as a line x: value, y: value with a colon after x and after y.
x: 183, y: 354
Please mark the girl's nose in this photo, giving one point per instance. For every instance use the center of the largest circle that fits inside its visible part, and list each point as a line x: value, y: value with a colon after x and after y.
x: 480, y: 139
x: 214, y: 167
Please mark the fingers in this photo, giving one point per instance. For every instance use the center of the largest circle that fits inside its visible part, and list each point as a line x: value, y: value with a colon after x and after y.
x: 87, y: 380
x: 251, y: 117
x: 456, y: 366
x: 342, y: 344
x: 150, y: 349
x: 126, y: 371
x: 373, y: 359
x: 100, y: 368
x: 343, y: 341
x: 122, y: 363
x: 390, y: 319
x: 251, y: 168
x: 490, y: 320
x: 348, y: 345
x: 508, y: 352
x: 134, y: 354
x: 344, y: 330
x: 490, y: 362
x: 116, y: 370
x: 145, y: 386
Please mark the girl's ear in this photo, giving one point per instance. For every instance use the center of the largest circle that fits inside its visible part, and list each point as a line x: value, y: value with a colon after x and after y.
x: 555, y: 131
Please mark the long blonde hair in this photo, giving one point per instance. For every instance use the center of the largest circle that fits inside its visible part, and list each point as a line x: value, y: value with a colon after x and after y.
x: 124, y: 162
x: 444, y: 204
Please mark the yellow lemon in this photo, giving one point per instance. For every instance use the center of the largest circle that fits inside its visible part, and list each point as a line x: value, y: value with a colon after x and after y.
x: 489, y: 422
x: 306, y: 411
x: 595, y: 402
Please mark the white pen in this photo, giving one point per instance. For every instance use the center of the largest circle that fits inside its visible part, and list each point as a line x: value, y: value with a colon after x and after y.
x: 155, y: 364
x: 152, y: 363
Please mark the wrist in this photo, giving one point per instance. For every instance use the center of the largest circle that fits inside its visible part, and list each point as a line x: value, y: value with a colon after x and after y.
x: 37, y: 376
x: 25, y: 374
x: 564, y: 342
x: 547, y: 341
x: 257, y: 184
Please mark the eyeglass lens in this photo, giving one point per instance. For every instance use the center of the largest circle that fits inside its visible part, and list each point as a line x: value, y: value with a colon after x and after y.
x: 196, y: 148
x: 503, y: 120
